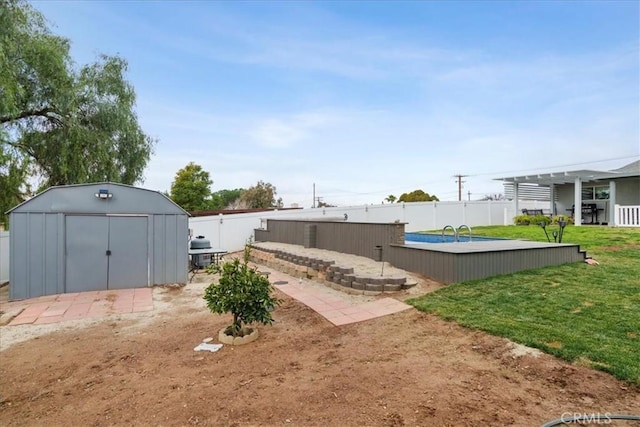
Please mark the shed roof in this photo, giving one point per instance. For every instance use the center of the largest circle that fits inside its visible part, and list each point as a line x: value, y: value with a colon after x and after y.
x: 566, y: 177
x: 84, y: 199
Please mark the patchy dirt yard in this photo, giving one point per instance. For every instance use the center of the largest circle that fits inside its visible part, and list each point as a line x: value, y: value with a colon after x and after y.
x: 408, y: 368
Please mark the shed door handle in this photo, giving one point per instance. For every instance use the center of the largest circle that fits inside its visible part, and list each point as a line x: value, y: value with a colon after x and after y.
x: 108, y: 252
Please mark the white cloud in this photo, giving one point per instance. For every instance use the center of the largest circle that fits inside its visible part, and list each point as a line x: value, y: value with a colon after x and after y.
x: 287, y: 131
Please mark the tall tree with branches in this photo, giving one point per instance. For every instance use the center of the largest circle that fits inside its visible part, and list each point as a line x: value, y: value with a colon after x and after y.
x: 260, y: 196
x: 61, y: 124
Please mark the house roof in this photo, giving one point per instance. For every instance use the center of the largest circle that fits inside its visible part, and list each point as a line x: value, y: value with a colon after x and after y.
x: 566, y: 177
x: 236, y: 211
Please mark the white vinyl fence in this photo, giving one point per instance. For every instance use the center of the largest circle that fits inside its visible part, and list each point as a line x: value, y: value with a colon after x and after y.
x: 231, y: 232
x: 627, y: 216
x: 4, y: 257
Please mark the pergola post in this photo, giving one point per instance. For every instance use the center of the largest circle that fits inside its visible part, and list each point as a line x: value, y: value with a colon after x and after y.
x: 552, y: 199
x: 612, y: 203
x: 516, y: 196
x: 577, y: 200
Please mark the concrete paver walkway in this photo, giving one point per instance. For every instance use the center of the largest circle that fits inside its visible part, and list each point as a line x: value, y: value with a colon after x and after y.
x: 329, y: 304
x: 332, y: 305
x: 80, y: 305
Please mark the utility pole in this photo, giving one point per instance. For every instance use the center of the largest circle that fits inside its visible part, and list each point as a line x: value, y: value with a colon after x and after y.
x: 314, y: 195
x: 460, y: 182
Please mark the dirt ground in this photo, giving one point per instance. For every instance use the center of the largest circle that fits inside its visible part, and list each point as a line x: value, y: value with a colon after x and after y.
x: 409, y: 368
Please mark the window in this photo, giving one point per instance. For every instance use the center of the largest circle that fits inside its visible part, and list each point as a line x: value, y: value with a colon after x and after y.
x: 602, y: 193
x: 587, y: 193
x: 595, y: 193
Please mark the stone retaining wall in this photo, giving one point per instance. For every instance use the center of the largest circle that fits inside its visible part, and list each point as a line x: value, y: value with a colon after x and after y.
x: 339, y: 277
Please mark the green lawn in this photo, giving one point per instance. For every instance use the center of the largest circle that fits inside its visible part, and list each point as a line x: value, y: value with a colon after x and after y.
x: 586, y: 314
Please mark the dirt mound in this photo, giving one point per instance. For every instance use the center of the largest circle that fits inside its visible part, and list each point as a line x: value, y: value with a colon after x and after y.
x: 404, y: 369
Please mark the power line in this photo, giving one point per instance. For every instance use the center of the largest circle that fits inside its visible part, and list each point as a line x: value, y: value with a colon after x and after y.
x: 460, y: 181
x: 554, y: 167
x: 336, y: 193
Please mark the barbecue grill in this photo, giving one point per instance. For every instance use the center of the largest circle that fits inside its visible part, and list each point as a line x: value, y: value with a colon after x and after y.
x: 588, y: 209
x: 200, y: 260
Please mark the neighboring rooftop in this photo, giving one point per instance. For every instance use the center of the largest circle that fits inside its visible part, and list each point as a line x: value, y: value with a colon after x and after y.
x: 567, y: 177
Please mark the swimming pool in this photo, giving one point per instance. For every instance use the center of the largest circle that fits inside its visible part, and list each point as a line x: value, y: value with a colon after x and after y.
x: 437, y: 238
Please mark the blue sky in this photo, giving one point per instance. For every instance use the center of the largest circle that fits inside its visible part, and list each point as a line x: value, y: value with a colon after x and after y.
x: 368, y: 99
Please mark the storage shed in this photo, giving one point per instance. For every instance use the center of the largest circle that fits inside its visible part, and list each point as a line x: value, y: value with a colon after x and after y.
x: 92, y: 237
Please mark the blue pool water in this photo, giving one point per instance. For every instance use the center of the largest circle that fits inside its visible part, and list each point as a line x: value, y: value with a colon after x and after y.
x: 437, y: 238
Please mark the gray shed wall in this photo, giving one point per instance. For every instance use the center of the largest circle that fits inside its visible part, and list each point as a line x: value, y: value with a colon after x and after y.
x: 39, y: 239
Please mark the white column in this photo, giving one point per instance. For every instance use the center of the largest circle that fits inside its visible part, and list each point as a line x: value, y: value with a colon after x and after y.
x: 516, y: 196
x: 577, y: 200
x: 552, y: 199
x: 612, y: 203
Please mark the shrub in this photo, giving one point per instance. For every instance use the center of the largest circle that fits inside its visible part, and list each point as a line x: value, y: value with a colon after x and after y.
x: 556, y: 219
x: 536, y: 220
x: 242, y: 291
x: 522, y: 220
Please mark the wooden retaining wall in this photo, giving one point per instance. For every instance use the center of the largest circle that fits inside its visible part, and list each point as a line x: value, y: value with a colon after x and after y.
x: 450, y: 267
x: 346, y: 237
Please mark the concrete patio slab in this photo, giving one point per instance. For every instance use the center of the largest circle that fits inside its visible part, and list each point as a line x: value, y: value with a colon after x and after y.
x: 76, y: 306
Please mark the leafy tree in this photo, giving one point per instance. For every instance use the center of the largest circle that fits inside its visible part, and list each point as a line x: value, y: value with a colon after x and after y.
x: 62, y: 125
x: 390, y: 198
x: 225, y: 199
x: 260, y: 196
x: 191, y: 188
x: 242, y: 291
x: 13, y: 186
x: 417, y: 196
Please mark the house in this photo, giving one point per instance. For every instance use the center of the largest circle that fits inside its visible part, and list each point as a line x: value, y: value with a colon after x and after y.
x: 605, y: 197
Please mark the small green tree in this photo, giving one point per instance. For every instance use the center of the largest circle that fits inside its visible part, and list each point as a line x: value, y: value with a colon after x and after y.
x: 391, y: 198
x: 417, y: 196
x: 242, y: 291
x: 191, y: 188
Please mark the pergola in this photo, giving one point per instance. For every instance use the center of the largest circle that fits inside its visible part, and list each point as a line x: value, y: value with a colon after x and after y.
x: 577, y: 178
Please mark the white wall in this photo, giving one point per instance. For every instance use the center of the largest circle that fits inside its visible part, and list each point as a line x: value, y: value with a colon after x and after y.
x: 4, y: 256
x: 231, y: 232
